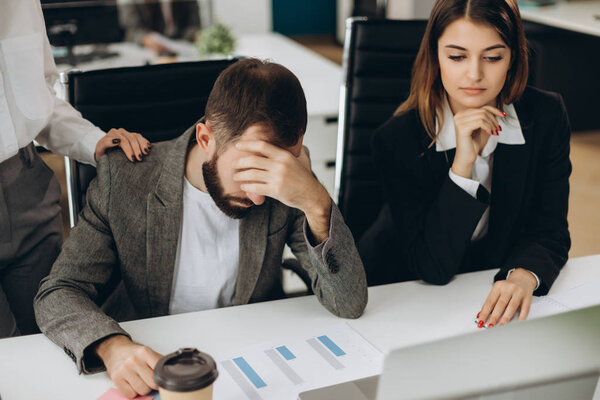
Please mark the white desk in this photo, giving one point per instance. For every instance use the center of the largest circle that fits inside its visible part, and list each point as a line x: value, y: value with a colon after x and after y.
x: 320, y: 79
x: 401, y: 314
x: 578, y: 16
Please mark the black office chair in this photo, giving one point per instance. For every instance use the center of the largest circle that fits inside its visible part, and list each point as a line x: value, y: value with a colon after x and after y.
x: 159, y: 101
x: 378, y: 59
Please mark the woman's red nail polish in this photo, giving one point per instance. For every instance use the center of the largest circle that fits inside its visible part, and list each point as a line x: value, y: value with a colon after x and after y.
x: 480, y: 324
x: 499, y: 128
x: 478, y: 314
x: 490, y: 325
x: 503, y: 113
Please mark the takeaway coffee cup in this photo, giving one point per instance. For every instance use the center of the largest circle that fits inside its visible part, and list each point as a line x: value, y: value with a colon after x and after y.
x: 187, y: 374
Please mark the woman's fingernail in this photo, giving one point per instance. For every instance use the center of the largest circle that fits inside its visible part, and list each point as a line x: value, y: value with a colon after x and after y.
x: 490, y: 325
x: 480, y: 324
x: 499, y: 128
x: 497, y: 132
x: 503, y: 113
x: 478, y: 314
x: 116, y: 141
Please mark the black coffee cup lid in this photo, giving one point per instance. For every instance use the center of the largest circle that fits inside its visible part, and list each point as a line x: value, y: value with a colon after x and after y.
x: 185, y: 370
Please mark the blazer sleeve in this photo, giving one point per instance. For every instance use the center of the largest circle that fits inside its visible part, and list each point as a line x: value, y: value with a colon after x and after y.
x: 66, y: 306
x: 544, y: 240
x: 434, y: 226
x: 334, y: 266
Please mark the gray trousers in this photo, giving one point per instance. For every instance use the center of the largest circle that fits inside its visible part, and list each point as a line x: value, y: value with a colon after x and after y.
x: 30, y: 236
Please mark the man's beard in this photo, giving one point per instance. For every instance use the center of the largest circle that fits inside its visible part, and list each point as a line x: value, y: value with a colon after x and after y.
x: 215, y: 189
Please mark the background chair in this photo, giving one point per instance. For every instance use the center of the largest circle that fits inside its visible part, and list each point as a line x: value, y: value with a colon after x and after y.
x: 378, y: 59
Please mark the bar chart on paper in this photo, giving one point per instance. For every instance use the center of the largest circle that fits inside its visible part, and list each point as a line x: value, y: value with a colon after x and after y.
x: 281, y: 370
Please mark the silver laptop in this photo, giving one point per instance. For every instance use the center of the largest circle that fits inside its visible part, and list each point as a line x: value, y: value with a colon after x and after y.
x: 552, y: 358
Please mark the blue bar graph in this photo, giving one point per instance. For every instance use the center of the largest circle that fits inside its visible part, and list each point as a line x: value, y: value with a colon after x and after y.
x: 249, y: 372
x: 286, y: 353
x: 331, y: 345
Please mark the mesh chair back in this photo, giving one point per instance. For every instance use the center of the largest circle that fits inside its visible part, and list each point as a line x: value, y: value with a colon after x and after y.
x: 158, y: 101
x: 378, y: 59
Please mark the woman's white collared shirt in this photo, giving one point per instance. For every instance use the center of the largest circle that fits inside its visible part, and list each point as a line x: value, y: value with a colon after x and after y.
x: 29, y: 108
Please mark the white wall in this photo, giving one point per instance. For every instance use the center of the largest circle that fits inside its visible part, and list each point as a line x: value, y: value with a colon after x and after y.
x: 244, y: 16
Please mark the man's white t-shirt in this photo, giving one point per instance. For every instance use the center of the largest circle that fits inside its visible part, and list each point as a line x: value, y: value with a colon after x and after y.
x: 207, y: 259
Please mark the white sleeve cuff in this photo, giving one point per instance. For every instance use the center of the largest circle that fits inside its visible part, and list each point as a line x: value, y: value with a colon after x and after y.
x: 532, y: 273
x: 468, y: 185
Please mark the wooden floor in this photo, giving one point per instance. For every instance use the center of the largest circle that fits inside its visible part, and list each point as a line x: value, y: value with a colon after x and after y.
x: 584, y: 200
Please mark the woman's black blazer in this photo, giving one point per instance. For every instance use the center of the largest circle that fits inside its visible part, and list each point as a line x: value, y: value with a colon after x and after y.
x: 424, y: 230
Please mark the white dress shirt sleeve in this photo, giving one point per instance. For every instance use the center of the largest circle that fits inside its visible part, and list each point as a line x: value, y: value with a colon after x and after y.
x: 468, y: 185
x: 67, y: 132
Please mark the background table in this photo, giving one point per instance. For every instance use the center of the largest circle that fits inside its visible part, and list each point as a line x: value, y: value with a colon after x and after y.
x: 564, y: 39
x: 577, y: 16
x: 402, y: 314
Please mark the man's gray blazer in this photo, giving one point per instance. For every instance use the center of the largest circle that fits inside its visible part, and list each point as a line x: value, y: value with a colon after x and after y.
x: 130, y: 226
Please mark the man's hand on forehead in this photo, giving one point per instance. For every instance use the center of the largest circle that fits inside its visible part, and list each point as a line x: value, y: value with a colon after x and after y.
x: 272, y: 171
x: 278, y: 173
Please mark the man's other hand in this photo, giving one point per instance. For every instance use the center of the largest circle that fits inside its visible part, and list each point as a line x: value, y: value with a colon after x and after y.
x: 129, y: 365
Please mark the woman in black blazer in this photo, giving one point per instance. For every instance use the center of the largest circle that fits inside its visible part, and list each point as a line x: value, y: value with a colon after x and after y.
x: 475, y: 165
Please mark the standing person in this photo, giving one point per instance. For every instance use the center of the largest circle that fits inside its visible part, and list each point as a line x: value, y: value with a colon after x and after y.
x: 475, y: 165
x: 30, y: 221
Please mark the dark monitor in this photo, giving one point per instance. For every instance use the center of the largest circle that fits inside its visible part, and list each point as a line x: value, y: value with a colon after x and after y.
x: 74, y: 22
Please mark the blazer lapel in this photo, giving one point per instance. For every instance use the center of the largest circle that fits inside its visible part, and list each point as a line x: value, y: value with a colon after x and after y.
x: 509, y: 176
x: 254, y: 230
x: 164, y: 214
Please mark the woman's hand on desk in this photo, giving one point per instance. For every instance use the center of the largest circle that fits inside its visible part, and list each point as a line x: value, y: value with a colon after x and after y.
x: 129, y: 365
x: 506, y: 298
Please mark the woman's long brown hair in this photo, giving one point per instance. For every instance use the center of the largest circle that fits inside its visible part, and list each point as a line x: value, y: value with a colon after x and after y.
x: 426, y: 90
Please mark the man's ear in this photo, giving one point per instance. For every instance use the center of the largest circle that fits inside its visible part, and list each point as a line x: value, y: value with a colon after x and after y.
x: 205, y: 137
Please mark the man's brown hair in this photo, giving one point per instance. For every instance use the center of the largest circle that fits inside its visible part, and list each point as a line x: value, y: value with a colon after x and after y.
x: 253, y: 91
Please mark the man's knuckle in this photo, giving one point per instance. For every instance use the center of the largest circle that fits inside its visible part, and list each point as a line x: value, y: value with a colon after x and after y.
x: 127, y: 365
